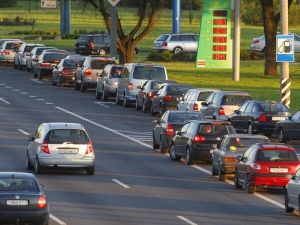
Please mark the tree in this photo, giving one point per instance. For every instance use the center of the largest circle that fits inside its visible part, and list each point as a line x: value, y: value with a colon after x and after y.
x: 147, y: 12
x: 270, y: 22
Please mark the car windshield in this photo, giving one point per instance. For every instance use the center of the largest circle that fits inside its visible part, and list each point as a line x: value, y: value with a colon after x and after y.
x: 26, y: 185
x: 243, y: 143
x: 74, y: 136
x: 149, y: 73
x: 276, y: 155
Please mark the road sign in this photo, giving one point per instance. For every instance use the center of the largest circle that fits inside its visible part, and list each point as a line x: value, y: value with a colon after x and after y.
x: 48, y: 4
x: 284, y: 48
x: 113, y: 2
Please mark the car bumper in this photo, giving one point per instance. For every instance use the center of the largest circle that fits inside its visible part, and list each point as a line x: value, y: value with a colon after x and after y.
x: 265, y: 180
x: 67, y: 163
x: 67, y: 78
x: 200, y: 154
x: 7, y: 59
x: 131, y: 97
x: 38, y: 216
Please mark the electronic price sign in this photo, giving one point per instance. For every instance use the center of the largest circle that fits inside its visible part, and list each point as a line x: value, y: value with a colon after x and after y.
x: 214, y: 46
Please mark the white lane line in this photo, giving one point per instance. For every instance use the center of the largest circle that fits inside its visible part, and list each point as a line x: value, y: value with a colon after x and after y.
x: 16, y: 90
x: 1, y: 99
x: 24, y: 93
x: 99, y: 103
x: 40, y: 99
x: 186, y: 220
x: 49, y: 103
x: 132, y: 132
x: 31, y: 96
x: 8, y: 87
x: 106, y: 128
x: 37, y: 81
x: 23, y: 132
x: 2, y: 84
x: 120, y: 183
x: 57, y: 220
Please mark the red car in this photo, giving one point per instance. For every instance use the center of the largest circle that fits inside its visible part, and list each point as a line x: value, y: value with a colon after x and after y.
x: 266, y: 165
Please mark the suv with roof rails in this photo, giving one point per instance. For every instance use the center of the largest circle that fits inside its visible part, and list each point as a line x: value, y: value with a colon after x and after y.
x: 133, y: 76
x: 187, y: 42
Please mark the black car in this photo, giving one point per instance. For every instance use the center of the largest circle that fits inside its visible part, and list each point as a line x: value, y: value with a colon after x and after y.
x: 168, y: 97
x: 165, y: 127
x: 195, y: 139
x: 147, y: 91
x: 95, y: 44
x: 22, y: 199
x: 288, y: 128
x: 258, y: 116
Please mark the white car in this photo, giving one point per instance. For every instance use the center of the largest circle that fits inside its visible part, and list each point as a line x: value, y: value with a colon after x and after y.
x: 292, y: 193
x: 33, y: 56
x: 60, y: 145
x: 258, y: 44
x: 193, y: 98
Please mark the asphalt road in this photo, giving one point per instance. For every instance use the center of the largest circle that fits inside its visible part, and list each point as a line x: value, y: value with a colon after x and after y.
x: 133, y: 184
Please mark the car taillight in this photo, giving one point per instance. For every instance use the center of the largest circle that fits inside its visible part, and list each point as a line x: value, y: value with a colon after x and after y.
x: 89, y: 148
x: 45, y: 64
x: 42, y: 203
x: 88, y: 72
x: 165, y: 44
x: 198, y: 138
x: 262, y: 118
x: 168, y: 98
x: 230, y: 159
x: 169, y: 130
x: 45, y: 147
x: 195, y: 107
x: 5, y: 53
x: 151, y: 94
x: 130, y: 86
x: 221, y: 111
x: 64, y: 71
x: 255, y: 41
x: 91, y: 45
x: 255, y: 166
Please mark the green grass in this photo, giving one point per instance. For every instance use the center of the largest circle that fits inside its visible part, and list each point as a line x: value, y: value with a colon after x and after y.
x: 251, y: 80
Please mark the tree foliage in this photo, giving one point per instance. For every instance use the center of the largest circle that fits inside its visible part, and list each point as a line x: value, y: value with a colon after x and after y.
x: 6, y: 3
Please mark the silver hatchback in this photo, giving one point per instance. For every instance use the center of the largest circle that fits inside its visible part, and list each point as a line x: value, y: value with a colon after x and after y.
x: 60, y: 145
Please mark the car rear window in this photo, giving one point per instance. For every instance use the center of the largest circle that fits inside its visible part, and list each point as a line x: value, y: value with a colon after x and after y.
x: 72, y: 62
x: 98, y: 64
x: 54, y: 56
x: 235, y: 99
x: 181, y: 89
x: 203, y: 95
x: 216, y: 129
x: 67, y: 135
x: 84, y: 39
x: 28, y: 48
x: 149, y: 73
x: 277, y: 107
x: 245, y: 143
x: 184, y: 117
x: 162, y: 37
x: 26, y: 185
x: 13, y: 45
x: 276, y: 155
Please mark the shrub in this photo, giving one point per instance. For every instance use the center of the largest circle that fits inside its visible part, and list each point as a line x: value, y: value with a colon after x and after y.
x: 17, y: 21
x: 10, y: 3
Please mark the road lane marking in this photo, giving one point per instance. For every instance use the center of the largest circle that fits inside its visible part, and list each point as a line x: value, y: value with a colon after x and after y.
x: 16, y: 90
x: 2, y: 99
x: 37, y: 81
x: 23, y: 132
x: 24, y: 93
x: 31, y: 96
x: 57, y: 220
x: 186, y: 220
x: 40, y: 99
x: 99, y: 103
x: 120, y: 183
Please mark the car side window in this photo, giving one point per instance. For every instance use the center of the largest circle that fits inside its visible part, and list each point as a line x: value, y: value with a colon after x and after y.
x: 216, y: 98
x: 190, y: 128
x: 186, y: 37
x: 185, y: 127
x: 297, y: 175
x: 243, y: 107
x: 125, y: 73
x: 209, y: 99
x: 175, y: 38
x: 247, y: 154
x: 250, y: 107
x: 37, y: 133
x: 296, y: 116
x: 187, y: 95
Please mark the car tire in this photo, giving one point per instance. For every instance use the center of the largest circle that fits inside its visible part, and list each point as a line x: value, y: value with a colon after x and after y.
x: 286, y: 202
x: 28, y: 163
x: 118, y: 101
x: 90, y: 170
x: 221, y: 174
x: 281, y: 136
x: 27, y: 69
x: 98, y: 94
x: 250, y: 128
x: 250, y: 188
x: 59, y: 84
x: 154, y: 145
x: 177, y: 50
x: 214, y: 171
x: 19, y: 66
x: 53, y: 82
x: 236, y: 181
x: 152, y: 111
x: 137, y: 107
x: 34, y: 74
x: 173, y: 155
x: 162, y: 148
x: 77, y: 86
x: 38, y: 167
x: 102, y: 52
x: 15, y: 66
x: 144, y: 108
x: 83, y: 87
x: 40, y: 75
x: 125, y: 103
x: 189, y: 160
x: 161, y: 111
x: 104, y: 96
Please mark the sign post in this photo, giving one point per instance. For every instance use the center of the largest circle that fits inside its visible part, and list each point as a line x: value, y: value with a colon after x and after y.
x: 48, y: 4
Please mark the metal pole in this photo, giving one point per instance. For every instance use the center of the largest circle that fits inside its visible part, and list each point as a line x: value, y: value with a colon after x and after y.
x: 176, y: 16
x: 113, y: 31
x: 284, y: 66
x: 236, y: 41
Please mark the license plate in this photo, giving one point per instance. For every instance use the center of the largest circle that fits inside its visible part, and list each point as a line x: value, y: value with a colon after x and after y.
x: 16, y: 202
x: 156, y: 45
x: 68, y: 151
x: 277, y: 118
x: 279, y: 170
x: 81, y: 46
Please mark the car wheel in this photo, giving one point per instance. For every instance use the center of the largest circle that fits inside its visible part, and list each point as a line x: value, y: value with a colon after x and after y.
x: 83, y: 88
x: 137, y: 107
x: 90, y: 170
x: 177, y: 49
x: 38, y: 167
x: 152, y: 111
x: 144, y: 108
x: 154, y: 145
x: 281, y: 137
x: 250, y: 188
x: 77, y: 86
x: 35, y: 74
x: 214, y: 171
x: 15, y: 65
x: 236, y: 181
x: 161, y: 111
x: 102, y: 52
x: 250, y: 128
x: 125, y: 103
x: 189, y: 160
x: 173, y: 155
x: 59, y: 84
x: 40, y: 75
x: 162, y: 148
x: 118, y: 101
x: 19, y: 66
x: 27, y: 69
x: 53, y: 82
x: 28, y: 163
x: 221, y: 174
x: 104, y: 95
x: 286, y: 203
x: 98, y: 94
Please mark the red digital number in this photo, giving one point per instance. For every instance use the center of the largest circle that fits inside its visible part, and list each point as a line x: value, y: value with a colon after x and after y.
x: 219, y: 39
x: 220, y: 21
x: 219, y: 57
x: 220, y: 13
x: 220, y: 48
x: 219, y: 30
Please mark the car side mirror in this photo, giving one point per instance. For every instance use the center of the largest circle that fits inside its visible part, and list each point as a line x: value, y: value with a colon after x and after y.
x: 236, y: 111
x: 30, y: 138
x: 238, y: 158
x: 204, y: 104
